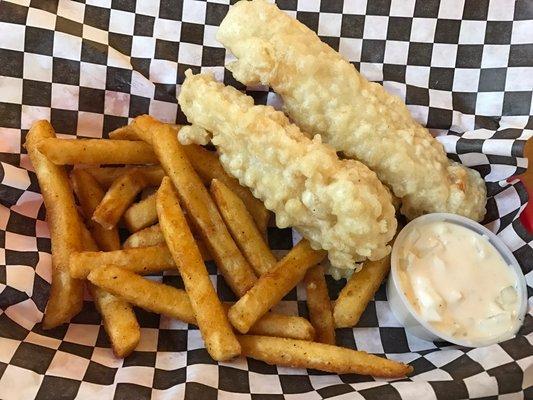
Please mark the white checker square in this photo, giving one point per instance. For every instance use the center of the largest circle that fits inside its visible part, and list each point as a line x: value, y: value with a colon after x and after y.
x: 82, y: 334
x: 519, y: 78
x: 116, y: 103
x: 25, y: 314
x: 65, y: 96
x: 329, y: 24
x: 11, y: 91
x: 423, y: 30
x: 9, y: 138
x: 101, y: 3
x: 142, y: 46
x: 472, y: 32
x: 417, y: 76
x: 90, y: 124
x: 522, y: 32
x: 67, y: 46
x: 88, y: 390
x: 350, y: 48
x: 190, y: 53
x: 41, y: 340
x: 385, y: 316
x: 218, y: 73
x: 507, y: 201
x: 150, y: 8
x: 466, y: 80
x: 17, y: 178
x: 396, y: 52
x: 411, y: 390
x: 194, y: 340
x: 321, y: 381
x: 20, y: 277
x: 117, y: 59
x: 210, y: 39
x: 148, y: 340
x: 495, y: 55
x: 372, y: 72
x: 311, y: 5
x: 12, y: 37
x: 30, y: 114
x: 194, y: 11
x: 432, y: 375
x: 375, y: 27
x: 163, y: 71
x: 201, y: 373
x: 95, y: 34
x: 402, y: 8
x: 368, y: 339
x: 4, y: 217
x: 71, y: 10
x: 480, y: 385
x: 489, y: 103
x: 264, y: 384
x: 106, y: 357
x: 419, y: 113
x: 490, y: 356
x: 140, y: 86
x: 7, y: 349
x: 501, y: 10
x: 68, y: 365
x: 41, y: 19
x: 171, y: 360
x: 440, y: 99
x: 19, y: 383
x: 93, y: 75
x: 121, y: 22
x: 37, y: 67
x: 451, y: 9
x: 444, y: 55
x: 167, y: 29
x: 143, y: 376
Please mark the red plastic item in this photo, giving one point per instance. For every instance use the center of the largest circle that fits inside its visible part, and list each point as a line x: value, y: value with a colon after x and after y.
x: 526, y: 217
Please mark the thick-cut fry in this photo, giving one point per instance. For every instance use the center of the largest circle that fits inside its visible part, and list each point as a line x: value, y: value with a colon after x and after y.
x: 149, y: 295
x: 324, y: 357
x: 359, y: 290
x: 220, y: 341
x: 242, y: 227
x: 90, y: 194
x: 199, y: 206
x: 319, y: 305
x: 152, y: 236
x: 107, y: 175
x: 143, y: 260
x: 123, y: 133
x: 96, y: 151
x: 66, y: 293
x: 141, y: 214
x: 208, y: 167
x: 118, y: 198
x: 272, y: 286
x: 118, y: 317
x: 273, y: 324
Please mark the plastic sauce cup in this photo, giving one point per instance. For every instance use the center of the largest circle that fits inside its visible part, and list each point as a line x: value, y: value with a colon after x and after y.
x: 405, y: 312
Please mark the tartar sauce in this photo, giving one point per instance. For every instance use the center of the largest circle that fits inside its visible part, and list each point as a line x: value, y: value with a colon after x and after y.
x: 458, y: 282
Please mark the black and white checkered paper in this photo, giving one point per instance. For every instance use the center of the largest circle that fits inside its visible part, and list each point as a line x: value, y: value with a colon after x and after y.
x: 465, y: 69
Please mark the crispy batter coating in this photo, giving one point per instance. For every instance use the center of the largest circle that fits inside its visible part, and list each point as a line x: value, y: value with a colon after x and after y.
x: 324, y: 94
x: 338, y: 205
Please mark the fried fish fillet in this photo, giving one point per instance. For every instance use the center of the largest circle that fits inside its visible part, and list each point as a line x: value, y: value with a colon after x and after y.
x: 324, y: 94
x: 338, y: 205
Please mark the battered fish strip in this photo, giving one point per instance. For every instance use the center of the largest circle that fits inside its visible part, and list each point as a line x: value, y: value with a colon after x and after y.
x: 338, y: 205
x: 324, y: 94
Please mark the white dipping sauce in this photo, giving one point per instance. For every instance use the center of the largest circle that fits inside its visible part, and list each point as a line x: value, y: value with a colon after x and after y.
x: 458, y: 282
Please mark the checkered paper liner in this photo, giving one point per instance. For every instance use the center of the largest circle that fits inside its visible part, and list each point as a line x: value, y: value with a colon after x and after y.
x: 465, y: 69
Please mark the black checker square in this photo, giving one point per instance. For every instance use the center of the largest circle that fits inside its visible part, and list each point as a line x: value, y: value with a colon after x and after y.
x: 128, y: 391
x: 464, y: 102
x: 292, y: 384
x: 13, y: 13
x: 373, y: 51
x: 20, y: 224
x: 36, y: 93
x: 420, y: 54
x: 33, y: 357
x: 382, y: 391
x: 309, y: 19
x: 93, y: 52
x: 121, y: 43
x: 172, y: 340
x: 427, y: 8
x: 469, y: 56
x: 520, y: 55
x: 64, y: 121
x: 498, y: 32
x: 462, y: 367
x: 492, y: 80
x: 138, y: 106
x: 13, y: 63
x: 213, y: 56
x: 394, y: 340
x: 112, y: 122
x: 68, y: 26
x: 100, y: 374
x: 144, y: 25
x: 399, y: 28
x: 39, y: 41
x: 449, y: 389
x: 97, y: 17
x: 332, y: 6
x: 164, y: 379
x: 215, y: 13
x: 51, y: 386
x: 124, y: 5
x: 171, y: 9
x: 352, y: 26
x: 233, y: 380
x: 517, y: 103
x: 65, y: 71
x: 140, y: 359
x: 195, y: 390
x: 439, y: 118
x: 91, y: 100
x: 441, y: 78
x: 118, y: 79
x: 476, y: 9
x: 447, y: 31
x: 166, y: 50
x: 192, y: 33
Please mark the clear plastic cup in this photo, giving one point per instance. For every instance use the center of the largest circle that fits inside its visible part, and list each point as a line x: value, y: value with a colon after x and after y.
x: 404, y: 311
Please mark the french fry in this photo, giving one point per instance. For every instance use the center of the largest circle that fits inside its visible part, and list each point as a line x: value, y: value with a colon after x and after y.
x: 359, y: 290
x: 118, y: 317
x: 324, y: 357
x: 199, y: 206
x: 273, y: 324
x: 319, y: 305
x: 272, y: 286
x: 66, y: 293
x: 208, y: 167
x: 143, y: 260
x: 141, y: 215
x: 96, y: 151
x: 118, y: 198
x: 105, y: 176
x: 123, y: 133
x: 149, y: 295
x: 242, y: 227
x: 211, y: 318
x: 90, y: 194
x: 152, y: 236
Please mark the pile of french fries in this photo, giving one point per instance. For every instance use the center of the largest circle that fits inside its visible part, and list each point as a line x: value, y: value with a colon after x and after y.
x: 190, y: 210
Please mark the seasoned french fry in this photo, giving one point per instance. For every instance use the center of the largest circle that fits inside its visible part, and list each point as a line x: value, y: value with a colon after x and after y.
x: 359, y: 290
x: 118, y: 198
x: 153, y: 236
x: 319, y: 305
x: 107, y: 175
x: 143, y: 260
x: 208, y: 167
x: 220, y: 341
x: 273, y: 324
x: 272, y: 286
x: 149, y: 295
x: 66, y: 293
x: 123, y: 133
x: 118, y: 317
x: 242, y: 227
x: 96, y: 151
x: 90, y: 194
x: 199, y: 206
x: 324, y: 357
x: 141, y: 215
